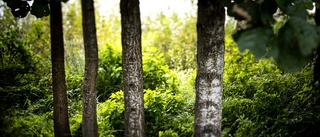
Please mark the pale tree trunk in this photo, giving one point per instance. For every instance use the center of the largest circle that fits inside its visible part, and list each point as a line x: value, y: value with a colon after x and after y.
x: 210, y: 61
x: 60, y: 98
x: 89, y: 103
x: 132, y: 68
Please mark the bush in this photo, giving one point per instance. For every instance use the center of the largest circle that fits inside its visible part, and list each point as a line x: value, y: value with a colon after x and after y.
x: 156, y: 73
x: 261, y: 100
x: 164, y: 113
x: 109, y: 73
x: 23, y: 123
x: 17, y: 71
x: 173, y: 37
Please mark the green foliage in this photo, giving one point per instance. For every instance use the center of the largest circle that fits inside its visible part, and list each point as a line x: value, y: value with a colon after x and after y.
x: 256, y: 40
x: 24, y: 124
x: 15, y: 59
x: 73, y: 38
x: 23, y: 68
x: 296, y: 34
x: 38, y: 38
x: 168, y: 133
x: 261, y: 100
x: 20, y: 78
x: 111, y: 115
x: 166, y: 113
x: 109, y: 73
x: 273, y: 110
x: 25, y: 79
x: 173, y: 37
x: 75, y: 122
x: 17, y: 71
x: 292, y: 46
x: 156, y: 73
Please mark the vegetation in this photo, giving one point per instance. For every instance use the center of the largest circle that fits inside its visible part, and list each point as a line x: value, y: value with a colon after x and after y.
x: 259, y: 99
x: 280, y: 29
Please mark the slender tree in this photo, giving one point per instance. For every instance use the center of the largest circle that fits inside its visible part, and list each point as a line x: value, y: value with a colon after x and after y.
x: 89, y: 106
x: 60, y: 112
x: 210, y: 63
x: 40, y: 8
x: 316, y: 69
x: 132, y: 68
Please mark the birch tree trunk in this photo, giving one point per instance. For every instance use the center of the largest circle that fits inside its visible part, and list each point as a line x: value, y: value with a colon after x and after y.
x: 132, y: 68
x: 60, y: 98
x: 210, y: 61
x: 89, y: 105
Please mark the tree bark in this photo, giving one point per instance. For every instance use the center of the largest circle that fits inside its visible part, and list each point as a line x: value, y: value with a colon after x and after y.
x: 132, y: 68
x: 60, y: 98
x: 210, y: 63
x: 316, y: 69
x: 89, y: 106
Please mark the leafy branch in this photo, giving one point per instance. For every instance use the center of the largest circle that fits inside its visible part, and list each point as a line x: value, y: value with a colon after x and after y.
x: 292, y: 45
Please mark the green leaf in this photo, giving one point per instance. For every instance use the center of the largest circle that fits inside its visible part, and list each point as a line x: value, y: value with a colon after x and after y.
x: 306, y: 34
x: 291, y: 62
x: 296, y: 41
x: 256, y: 40
x: 157, y: 99
x: 290, y: 57
x: 296, y: 11
x: 273, y: 50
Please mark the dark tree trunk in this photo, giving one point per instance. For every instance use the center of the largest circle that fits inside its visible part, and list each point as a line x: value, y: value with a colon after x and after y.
x: 60, y: 98
x: 132, y: 68
x: 316, y: 69
x: 210, y: 60
x: 89, y: 106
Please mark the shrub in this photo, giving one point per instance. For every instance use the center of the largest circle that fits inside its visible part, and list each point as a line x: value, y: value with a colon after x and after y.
x: 156, y: 73
x: 261, y: 100
x: 164, y: 113
x: 21, y: 123
x: 109, y: 73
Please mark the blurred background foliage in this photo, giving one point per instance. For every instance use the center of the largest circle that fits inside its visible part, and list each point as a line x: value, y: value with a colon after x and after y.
x: 259, y: 98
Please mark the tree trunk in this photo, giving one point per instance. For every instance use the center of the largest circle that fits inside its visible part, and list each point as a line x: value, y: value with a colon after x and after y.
x: 60, y: 98
x: 210, y: 61
x: 89, y: 106
x: 316, y: 69
x: 132, y: 68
